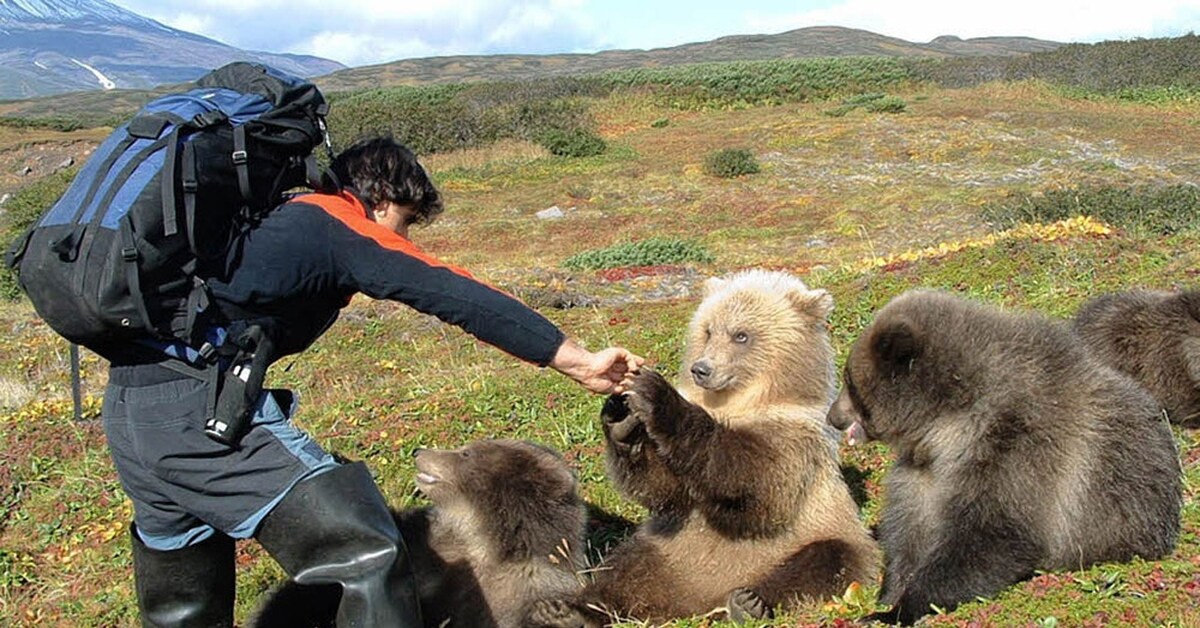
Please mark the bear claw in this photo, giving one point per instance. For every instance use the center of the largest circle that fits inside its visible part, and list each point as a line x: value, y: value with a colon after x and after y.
x: 745, y: 604
x: 555, y: 614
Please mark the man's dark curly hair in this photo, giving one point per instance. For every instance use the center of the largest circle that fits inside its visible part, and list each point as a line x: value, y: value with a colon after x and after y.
x: 382, y: 169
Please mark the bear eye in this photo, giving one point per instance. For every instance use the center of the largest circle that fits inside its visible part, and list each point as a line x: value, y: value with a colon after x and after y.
x: 741, y: 337
x: 465, y: 453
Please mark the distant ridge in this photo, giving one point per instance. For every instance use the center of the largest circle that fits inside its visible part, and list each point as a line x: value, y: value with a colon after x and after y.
x: 816, y: 41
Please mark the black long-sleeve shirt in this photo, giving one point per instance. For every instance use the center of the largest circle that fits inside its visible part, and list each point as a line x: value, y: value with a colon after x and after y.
x: 309, y: 256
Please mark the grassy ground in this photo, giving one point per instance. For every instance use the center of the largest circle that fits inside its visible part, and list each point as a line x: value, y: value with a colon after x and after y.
x: 834, y: 195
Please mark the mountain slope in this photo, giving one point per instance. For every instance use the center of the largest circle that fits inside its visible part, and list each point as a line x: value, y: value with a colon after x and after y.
x: 54, y: 46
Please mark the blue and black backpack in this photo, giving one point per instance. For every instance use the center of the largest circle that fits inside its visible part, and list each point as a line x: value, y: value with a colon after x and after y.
x: 123, y: 255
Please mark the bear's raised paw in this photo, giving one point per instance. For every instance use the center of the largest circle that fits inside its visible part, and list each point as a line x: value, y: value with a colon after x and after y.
x: 621, y: 428
x: 654, y: 402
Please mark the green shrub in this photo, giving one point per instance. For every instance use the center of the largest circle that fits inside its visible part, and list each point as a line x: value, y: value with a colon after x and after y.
x: 660, y: 123
x: 651, y: 252
x: 20, y: 212
x: 886, y: 104
x: 52, y: 123
x: 730, y: 162
x: 572, y: 142
x: 1147, y: 208
x: 861, y: 100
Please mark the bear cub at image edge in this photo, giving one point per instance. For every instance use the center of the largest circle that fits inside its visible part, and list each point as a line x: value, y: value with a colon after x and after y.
x: 1154, y: 336
x: 1015, y: 451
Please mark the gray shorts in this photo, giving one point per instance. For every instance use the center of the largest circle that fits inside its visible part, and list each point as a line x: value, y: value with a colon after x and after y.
x: 184, y: 485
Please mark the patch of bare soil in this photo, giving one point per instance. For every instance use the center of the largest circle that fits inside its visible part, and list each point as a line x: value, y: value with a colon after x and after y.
x: 24, y: 163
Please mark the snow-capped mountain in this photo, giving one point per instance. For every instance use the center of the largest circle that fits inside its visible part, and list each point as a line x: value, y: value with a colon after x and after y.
x: 18, y: 11
x: 54, y: 46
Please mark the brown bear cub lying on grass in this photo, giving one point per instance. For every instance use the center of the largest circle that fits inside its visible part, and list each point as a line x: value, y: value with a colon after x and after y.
x: 1154, y: 336
x: 505, y: 529
x: 1015, y: 450
x: 748, y: 509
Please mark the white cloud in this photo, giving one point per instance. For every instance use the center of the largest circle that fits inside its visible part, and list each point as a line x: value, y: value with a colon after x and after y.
x: 193, y: 23
x: 358, y: 32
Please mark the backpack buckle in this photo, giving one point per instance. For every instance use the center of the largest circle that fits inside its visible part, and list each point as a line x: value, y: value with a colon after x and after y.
x: 239, y: 157
x: 129, y: 253
x: 207, y: 351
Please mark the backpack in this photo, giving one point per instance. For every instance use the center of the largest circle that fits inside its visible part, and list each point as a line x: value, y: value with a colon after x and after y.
x: 123, y: 254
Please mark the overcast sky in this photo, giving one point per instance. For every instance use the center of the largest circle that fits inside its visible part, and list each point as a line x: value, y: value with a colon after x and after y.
x: 364, y: 32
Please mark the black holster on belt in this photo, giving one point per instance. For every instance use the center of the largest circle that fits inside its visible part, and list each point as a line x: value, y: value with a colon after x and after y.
x: 240, y: 386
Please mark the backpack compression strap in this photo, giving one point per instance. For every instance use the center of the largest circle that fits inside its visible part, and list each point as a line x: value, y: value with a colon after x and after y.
x: 240, y: 159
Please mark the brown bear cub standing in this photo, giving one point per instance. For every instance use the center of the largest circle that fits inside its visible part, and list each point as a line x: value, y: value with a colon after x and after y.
x: 1154, y: 336
x: 506, y: 528
x: 748, y: 509
x: 1015, y: 450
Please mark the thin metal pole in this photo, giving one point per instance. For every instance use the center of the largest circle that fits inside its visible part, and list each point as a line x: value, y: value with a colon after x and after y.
x: 76, y: 385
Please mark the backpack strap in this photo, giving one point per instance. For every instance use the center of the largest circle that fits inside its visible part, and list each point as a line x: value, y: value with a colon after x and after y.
x: 197, y: 302
x: 240, y: 159
x: 129, y: 257
x: 170, y: 222
x: 190, y: 183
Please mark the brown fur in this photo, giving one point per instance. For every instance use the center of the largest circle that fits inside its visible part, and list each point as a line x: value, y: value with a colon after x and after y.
x: 748, y: 508
x: 1015, y: 450
x: 1154, y: 336
x: 506, y: 529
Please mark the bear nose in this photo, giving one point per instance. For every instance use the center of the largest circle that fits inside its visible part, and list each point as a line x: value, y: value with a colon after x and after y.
x: 701, y: 370
x: 416, y: 452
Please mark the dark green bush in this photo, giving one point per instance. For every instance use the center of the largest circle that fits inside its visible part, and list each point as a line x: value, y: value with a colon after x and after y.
x: 1147, y: 208
x: 730, y: 162
x: 660, y: 123
x: 20, y: 212
x: 572, y: 142
x: 886, y: 104
x: 651, y: 252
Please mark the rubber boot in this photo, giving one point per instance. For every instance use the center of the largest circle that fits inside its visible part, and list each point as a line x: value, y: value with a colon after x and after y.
x: 336, y: 528
x: 190, y: 586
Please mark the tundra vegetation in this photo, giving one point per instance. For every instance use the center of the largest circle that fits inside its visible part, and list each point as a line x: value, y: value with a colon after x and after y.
x: 1033, y: 182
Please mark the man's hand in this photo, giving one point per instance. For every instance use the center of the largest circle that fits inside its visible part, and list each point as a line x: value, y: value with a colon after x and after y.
x: 601, y: 372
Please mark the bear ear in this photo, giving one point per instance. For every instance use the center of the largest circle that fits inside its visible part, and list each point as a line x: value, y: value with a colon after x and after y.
x: 713, y: 285
x: 897, y: 342
x: 815, y: 303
